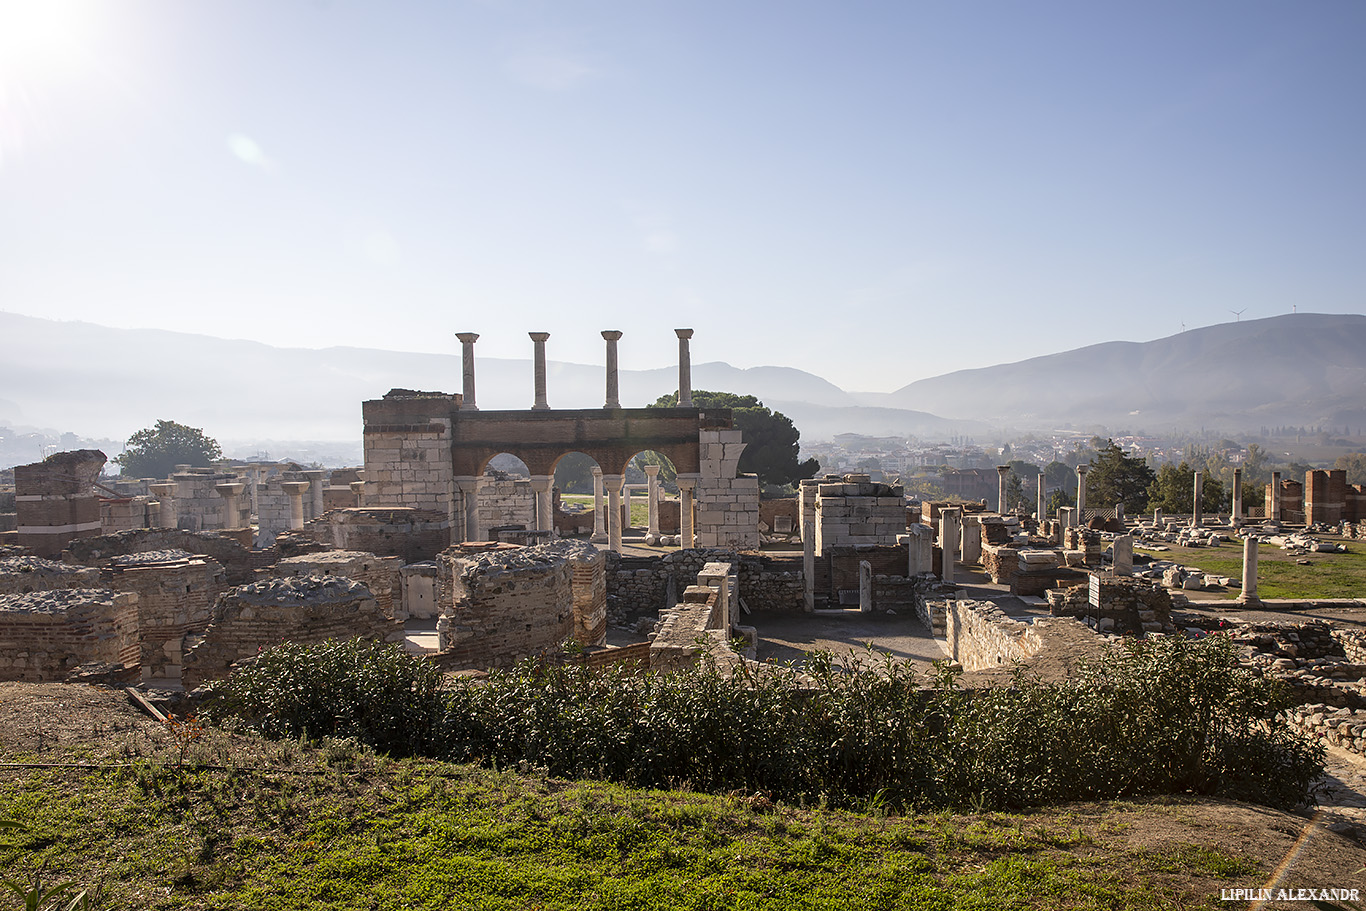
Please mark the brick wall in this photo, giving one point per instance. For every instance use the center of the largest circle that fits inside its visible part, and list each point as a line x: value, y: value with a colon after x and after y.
x: 55, y: 502
x: 380, y: 575
x: 176, y: 592
x: 19, y: 575
x: 415, y: 535
x: 44, y: 636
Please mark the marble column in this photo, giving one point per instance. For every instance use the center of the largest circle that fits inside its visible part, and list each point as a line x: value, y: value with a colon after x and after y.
x: 625, y: 506
x: 1236, y: 507
x: 468, y: 485
x: 540, y: 486
x: 684, y: 368
x: 1002, y: 472
x: 1199, y: 489
x: 599, y: 513
x: 865, y: 587
x: 1081, y: 494
x: 613, y: 391
x: 467, y: 340
x: 1249, y: 592
x: 613, y: 483
x: 808, y: 566
x: 165, y: 494
x: 1042, y: 501
x: 358, y: 488
x: 295, y: 489
x: 652, y: 477
x: 314, y: 507
x: 230, y: 491
x: 1275, y: 496
x: 538, y: 370
x: 950, y: 529
x: 686, y: 483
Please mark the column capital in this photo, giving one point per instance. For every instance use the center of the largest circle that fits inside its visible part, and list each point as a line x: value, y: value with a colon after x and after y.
x: 651, y: 471
x: 542, y: 481
x: 539, y: 336
x: 468, y: 338
x: 687, y: 481
x: 596, y: 471
x: 1082, y: 469
x: 683, y: 333
x: 611, y: 335
x: 294, y: 488
x: 1003, y: 468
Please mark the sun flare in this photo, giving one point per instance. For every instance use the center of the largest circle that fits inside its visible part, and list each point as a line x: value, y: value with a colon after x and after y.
x: 41, y: 35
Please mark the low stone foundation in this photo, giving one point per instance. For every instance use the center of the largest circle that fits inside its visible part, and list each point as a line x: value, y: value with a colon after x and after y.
x: 379, y: 574
x: 46, y: 636
x: 19, y: 575
x: 981, y: 637
x: 176, y: 593
x: 238, y: 561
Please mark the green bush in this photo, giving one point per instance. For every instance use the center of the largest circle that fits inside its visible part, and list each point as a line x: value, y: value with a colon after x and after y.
x: 1164, y: 716
x: 371, y: 691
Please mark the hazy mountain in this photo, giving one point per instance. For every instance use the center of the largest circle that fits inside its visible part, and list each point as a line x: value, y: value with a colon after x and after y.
x: 1300, y: 369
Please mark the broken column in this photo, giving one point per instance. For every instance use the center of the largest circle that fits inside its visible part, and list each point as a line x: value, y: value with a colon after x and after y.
x: 686, y: 526
x: 467, y: 340
x: 1274, y: 504
x: 971, y: 551
x: 809, y: 566
x: 599, y: 513
x: 538, y: 370
x: 950, y: 529
x: 1249, y: 592
x: 1041, y: 512
x: 613, y: 392
x: 1124, y: 555
x: 652, y: 493
x: 1236, y: 507
x: 468, y: 485
x: 1081, y: 494
x: 865, y: 586
x: 165, y: 494
x: 684, y: 369
x: 231, y: 513
x: 540, y: 487
x: 1199, y: 489
x: 613, y: 482
x: 295, y: 489
x: 314, y: 505
x: 1002, y: 472
x: 919, y: 550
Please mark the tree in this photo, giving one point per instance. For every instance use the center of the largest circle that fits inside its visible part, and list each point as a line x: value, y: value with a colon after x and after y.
x: 1173, y: 491
x: 1118, y: 478
x: 1015, y: 492
x: 154, y: 452
x: 773, y: 440
x: 1354, y: 463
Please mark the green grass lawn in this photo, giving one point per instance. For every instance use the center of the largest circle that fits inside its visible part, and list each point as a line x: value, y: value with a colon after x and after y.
x: 1278, y: 573
x: 640, y: 510
x: 368, y: 833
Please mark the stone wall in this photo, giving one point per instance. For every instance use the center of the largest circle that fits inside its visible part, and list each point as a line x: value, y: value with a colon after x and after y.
x: 645, y: 585
x: 408, y: 450
x: 45, y: 636
x: 981, y: 637
x: 855, y: 511
x: 726, y: 504
x: 378, y: 574
x: 199, y: 507
x: 415, y: 535
x: 304, y: 609
x: 20, y: 575
x: 176, y: 592
x: 698, y: 627
x: 588, y: 583
x: 55, y: 502
x: 508, y: 501
x: 239, y: 563
x: 502, y: 603
x: 123, y: 514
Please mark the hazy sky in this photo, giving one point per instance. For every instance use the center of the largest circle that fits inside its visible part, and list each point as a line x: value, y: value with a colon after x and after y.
x: 874, y: 191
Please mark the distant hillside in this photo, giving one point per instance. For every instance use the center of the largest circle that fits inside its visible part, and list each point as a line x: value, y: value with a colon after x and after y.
x: 1300, y: 369
x: 100, y: 381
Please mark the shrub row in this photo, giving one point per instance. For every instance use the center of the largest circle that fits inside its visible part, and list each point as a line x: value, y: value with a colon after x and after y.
x: 1163, y: 716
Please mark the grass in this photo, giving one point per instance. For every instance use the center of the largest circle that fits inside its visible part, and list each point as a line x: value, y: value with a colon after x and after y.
x: 1278, y: 573
x: 366, y: 832
x: 640, y: 510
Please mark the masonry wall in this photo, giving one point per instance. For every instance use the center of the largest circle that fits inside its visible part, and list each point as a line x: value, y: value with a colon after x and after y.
x: 239, y: 563
x: 176, y: 592
x: 1325, y: 496
x: 509, y: 501
x: 856, y: 512
x: 726, y: 505
x: 415, y: 535
x: 22, y: 574
x: 981, y: 637
x: 407, y: 439
x: 588, y: 583
x: 55, y: 501
x: 44, y: 636
x: 378, y: 574
x: 123, y: 514
x: 306, y: 609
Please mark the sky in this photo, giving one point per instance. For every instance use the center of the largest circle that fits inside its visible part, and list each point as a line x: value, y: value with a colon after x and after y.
x: 875, y: 192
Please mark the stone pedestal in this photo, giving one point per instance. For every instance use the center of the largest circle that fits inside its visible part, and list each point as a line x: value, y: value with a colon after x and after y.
x: 467, y: 340
x: 919, y: 550
x: 165, y: 494
x: 538, y: 371
x: 971, y: 551
x: 1124, y: 555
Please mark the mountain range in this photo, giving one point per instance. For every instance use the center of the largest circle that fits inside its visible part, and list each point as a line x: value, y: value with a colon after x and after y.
x: 1300, y: 369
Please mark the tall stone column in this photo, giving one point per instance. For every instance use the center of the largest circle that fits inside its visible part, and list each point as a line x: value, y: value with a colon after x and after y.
x: 613, y: 483
x: 1039, y: 509
x: 1236, y: 507
x: 652, y: 477
x: 1275, y: 496
x: 599, y: 513
x: 808, y: 566
x: 686, y: 526
x: 467, y: 340
x: 865, y: 587
x: 684, y: 368
x: 540, y: 486
x: 468, y: 485
x: 1249, y: 592
x: 295, y: 489
x: 613, y: 391
x: 950, y: 529
x: 230, y: 491
x: 1002, y: 472
x: 165, y: 494
x: 1081, y: 494
x: 314, y: 506
x: 1199, y: 489
x: 538, y: 370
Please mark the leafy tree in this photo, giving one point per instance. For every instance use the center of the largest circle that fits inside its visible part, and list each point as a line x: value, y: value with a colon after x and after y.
x: 1118, y: 478
x: 1057, y: 500
x: 773, y: 440
x: 154, y: 452
x: 1173, y: 491
x: 1355, y: 465
x: 574, y: 473
x: 1059, y: 474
